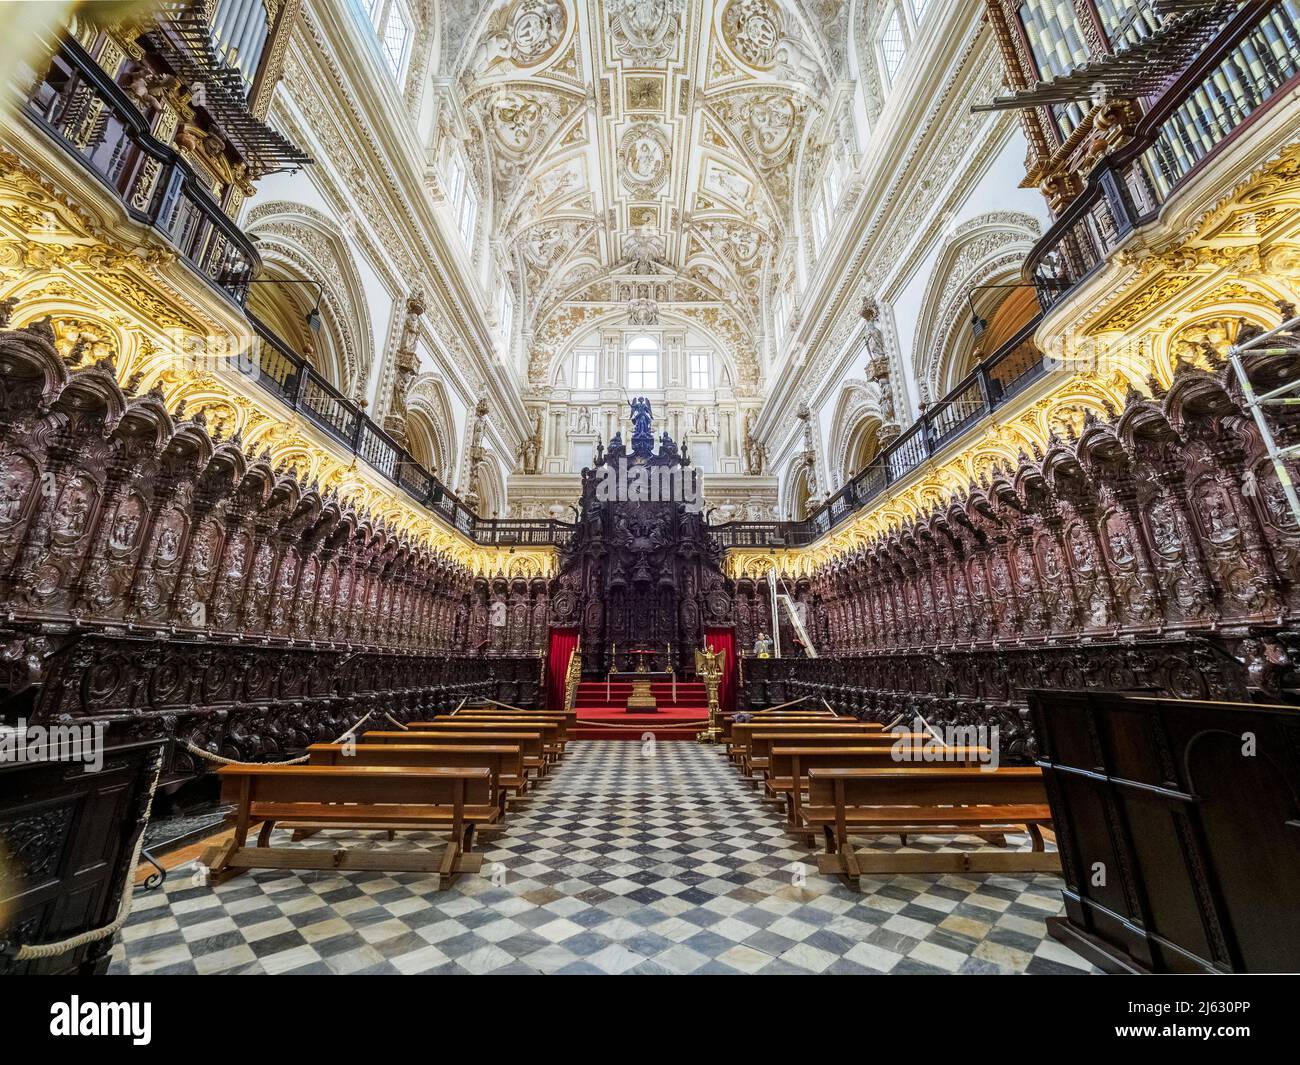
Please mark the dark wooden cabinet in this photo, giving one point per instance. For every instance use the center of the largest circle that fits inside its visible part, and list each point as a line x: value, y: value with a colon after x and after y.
x: 66, y: 841
x: 1178, y: 823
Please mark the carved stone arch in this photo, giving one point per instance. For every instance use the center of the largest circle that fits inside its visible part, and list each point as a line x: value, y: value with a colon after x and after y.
x: 857, y: 419
x: 985, y: 250
x: 490, y: 485
x: 797, y: 489
x: 431, y: 427
x: 309, y: 244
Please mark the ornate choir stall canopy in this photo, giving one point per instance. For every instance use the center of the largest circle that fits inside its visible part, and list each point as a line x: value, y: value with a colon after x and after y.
x: 641, y: 578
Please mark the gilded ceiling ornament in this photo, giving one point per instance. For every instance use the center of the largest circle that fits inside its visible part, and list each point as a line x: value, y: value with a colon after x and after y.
x: 643, y: 157
x: 770, y: 126
x: 736, y: 241
x: 516, y: 118
x: 645, y: 30
x: 642, y: 250
x: 752, y: 29
x: 643, y: 312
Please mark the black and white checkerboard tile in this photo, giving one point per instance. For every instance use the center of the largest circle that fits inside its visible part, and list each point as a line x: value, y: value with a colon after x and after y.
x: 628, y: 859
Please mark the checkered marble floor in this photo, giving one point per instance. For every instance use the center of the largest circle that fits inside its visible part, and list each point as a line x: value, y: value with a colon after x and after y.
x: 628, y: 859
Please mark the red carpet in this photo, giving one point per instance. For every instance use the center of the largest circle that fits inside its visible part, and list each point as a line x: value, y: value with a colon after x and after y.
x: 603, y: 715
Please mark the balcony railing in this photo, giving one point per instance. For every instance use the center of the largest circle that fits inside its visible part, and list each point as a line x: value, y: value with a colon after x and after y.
x: 291, y: 379
x: 83, y: 110
x: 1005, y: 373
x: 1253, y: 62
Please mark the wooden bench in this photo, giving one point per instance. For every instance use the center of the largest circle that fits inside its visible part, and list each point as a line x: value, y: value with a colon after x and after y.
x: 781, y: 715
x: 505, y: 761
x: 386, y: 797
x: 787, y: 772
x: 743, y: 730
x: 928, y: 800
x: 549, y: 731
x: 510, y: 717
x: 801, y: 715
x: 529, y: 743
x: 762, y: 743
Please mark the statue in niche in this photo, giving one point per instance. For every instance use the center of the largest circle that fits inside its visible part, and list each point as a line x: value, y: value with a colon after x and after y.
x: 1277, y: 504
x: 169, y: 542
x: 1164, y: 530
x: 235, y: 563
x: 1218, y: 517
x: 71, y: 515
x: 15, y: 484
x: 531, y: 450
x: 583, y: 420
x: 702, y: 419
x: 126, y: 526
x: 1080, y: 550
x: 1121, y: 549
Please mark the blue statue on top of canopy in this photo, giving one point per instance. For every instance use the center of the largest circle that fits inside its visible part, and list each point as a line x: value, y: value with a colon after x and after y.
x: 643, y: 440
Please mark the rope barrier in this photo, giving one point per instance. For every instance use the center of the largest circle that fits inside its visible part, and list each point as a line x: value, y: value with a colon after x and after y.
x: 221, y: 760
x: 34, y: 951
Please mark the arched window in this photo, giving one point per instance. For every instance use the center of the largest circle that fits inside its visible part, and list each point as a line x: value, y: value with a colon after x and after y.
x: 893, y: 45
x: 393, y: 28
x: 643, y: 363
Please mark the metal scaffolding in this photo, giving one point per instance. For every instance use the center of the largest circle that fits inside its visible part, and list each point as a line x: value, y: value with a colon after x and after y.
x: 1281, y: 396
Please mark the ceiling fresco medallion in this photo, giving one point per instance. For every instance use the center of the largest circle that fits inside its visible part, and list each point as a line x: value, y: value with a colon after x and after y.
x: 643, y: 155
x: 752, y: 30
x: 527, y: 33
x: 536, y: 30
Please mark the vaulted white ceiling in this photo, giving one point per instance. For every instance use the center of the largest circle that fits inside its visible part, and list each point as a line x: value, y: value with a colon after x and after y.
x: 644, y: 139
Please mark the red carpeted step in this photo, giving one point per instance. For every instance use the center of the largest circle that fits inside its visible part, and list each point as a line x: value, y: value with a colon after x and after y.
x: 636, y: 735
x: 615, y: 723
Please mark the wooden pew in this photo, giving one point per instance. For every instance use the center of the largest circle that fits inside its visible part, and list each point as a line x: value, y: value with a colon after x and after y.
x: 569, y: 716
x: 386, y: 797
x: 762, y: 743
x: 928, y: 800
x: 548, y: 730
x: 811, y: 718
x: 510, y: 717
x: 741, y: 732
x: 773, y: 715
x: 530, y: 743
x: 505, y: 761
x: 792, y: 757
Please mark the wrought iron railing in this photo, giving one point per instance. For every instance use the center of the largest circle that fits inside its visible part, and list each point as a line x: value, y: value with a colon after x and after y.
x: 291, y: 379
x: 82, y: 109
x: 1005, y: 373
x: 1251, y: 64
